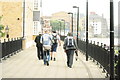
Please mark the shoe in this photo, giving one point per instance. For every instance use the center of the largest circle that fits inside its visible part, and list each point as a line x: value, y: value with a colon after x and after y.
x: 76, y: 59
x: 67, y: 64
x: 47, y: 63
x: 44, y: 63
x: 54, y: 59
x: 38, y: 58
x: 70, y: 66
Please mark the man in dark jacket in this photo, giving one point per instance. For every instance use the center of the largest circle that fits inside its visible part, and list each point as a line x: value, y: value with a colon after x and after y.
x: 39, y: 46
x: 70, y: 46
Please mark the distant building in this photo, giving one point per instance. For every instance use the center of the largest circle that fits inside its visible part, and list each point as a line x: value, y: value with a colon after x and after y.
x: 46, y: 23
x: 97, y: 25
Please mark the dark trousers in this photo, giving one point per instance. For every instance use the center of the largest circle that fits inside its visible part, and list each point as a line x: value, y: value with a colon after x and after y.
x: 40, y: 52
x: 70, y: 54
x: 46, y: 56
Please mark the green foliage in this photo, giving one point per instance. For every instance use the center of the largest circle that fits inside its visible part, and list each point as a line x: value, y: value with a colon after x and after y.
x: 1, y: 28
x: 57, y: 25
x: 0, y: 18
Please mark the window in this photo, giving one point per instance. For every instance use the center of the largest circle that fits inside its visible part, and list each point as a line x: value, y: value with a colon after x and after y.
x: 35, y: 4
x: 35, y: 27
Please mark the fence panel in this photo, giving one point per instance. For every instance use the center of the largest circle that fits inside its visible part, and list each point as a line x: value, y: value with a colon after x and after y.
x: 11, y: 46
x: 98, y: 53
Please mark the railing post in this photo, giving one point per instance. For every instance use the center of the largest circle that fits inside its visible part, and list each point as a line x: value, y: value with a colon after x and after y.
x: 0, y: 51
x: 8, y: 48
x: 4, y: 49
x: 118, y: 68
x: 101, y: 45
x: 105, y: 47
x: 94, y: 53
x: 12, y: 46
x: 98, y: 53
x: 91, y: 50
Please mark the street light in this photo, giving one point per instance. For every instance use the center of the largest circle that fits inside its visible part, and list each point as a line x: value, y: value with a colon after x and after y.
x: 71, y: 20
x: 7, y: 31
x: 77, y: 20
x: 87, y: 30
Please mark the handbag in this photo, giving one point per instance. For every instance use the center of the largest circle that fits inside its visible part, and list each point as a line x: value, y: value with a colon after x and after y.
x: 46, y: 47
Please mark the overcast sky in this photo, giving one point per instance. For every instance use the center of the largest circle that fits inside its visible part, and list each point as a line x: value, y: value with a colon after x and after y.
x: 98, y: 6
x: 52, y: 6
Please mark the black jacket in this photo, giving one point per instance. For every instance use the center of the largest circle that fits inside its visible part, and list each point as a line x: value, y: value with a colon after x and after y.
x: 37, y: 41
x: 69, y: 48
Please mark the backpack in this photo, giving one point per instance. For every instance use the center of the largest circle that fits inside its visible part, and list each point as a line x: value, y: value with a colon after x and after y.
x: 54, y: 39
x: 46, y: 42
x: 70, y: 42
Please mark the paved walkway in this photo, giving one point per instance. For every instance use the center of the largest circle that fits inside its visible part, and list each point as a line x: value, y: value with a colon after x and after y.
x: 26, y: 65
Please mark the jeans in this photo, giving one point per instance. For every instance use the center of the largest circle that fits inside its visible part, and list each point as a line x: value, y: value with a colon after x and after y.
x: 46, y: 56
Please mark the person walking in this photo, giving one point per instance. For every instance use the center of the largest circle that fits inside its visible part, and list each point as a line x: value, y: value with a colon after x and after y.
x: 46, y: 41
x: 55, y: 41
x: 39, y: 47
x: 69, y: 47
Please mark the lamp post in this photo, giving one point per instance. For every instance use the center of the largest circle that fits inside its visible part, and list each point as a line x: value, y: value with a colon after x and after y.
x: 71, y: 20
x: 7, y: 31
x: 111, y: 40
x: 24, y: 18
x: 77, y: 20
x: 87, y: 30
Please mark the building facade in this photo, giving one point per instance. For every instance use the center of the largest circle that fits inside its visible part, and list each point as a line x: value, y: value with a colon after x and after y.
x: 46, y: 23
x: 98, y: 24
x: 11, y: 12
x: 18, y: 15
x: 37, y: 17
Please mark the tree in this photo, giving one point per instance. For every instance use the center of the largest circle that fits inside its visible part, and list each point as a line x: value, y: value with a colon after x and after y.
x: 1, y: 28
x: 57, y: 25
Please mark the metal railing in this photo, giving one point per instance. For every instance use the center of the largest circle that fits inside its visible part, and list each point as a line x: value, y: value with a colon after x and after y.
x: 10, y: 47
x: 100, y: 54
x: 97, y: 53
x: 117, y: 66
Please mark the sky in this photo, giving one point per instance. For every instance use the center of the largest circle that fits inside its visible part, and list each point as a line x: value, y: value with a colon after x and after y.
x: 99, y: 6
